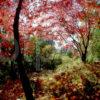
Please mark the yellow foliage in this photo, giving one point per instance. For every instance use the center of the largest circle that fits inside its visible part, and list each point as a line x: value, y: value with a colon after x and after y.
x: 47, y: 50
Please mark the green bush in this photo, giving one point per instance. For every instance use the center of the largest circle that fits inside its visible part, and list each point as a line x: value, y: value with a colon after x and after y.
x: 44, y: 50
x: 94, y: 49
x: 51, y: 64
x: 69, y: 54
x: 57, y: 61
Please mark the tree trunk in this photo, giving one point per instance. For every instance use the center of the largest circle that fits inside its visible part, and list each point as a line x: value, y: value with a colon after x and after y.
x: 24, y: 79
x: 83, y: 57
x: 13, y: 71
x: 18, y: 56
x: 37, y: 60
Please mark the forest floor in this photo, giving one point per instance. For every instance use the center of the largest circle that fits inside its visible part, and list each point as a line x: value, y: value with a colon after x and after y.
x: 72, y: 80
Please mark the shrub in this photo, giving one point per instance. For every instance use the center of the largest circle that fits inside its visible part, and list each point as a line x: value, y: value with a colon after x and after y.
x: 69, y: 54
x: 4, y: 72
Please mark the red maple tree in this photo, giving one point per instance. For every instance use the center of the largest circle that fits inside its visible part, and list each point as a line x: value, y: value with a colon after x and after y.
x: 79, y: 19
x: 60, y: 18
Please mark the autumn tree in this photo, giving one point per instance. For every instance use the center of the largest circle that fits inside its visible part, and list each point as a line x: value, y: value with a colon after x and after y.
x: 18, y: 56
x: 14, y: 21
x: 79, y: 19
x: 60, y: 19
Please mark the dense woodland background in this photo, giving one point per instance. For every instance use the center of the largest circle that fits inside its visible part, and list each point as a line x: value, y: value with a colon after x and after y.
x: 49, y: 49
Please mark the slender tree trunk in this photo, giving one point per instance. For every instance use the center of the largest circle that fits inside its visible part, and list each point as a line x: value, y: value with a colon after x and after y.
x: 24, y: 79
x: 37, y: 56
x: 13, y: 71
x: 18, y: 56
x: 84, y: 55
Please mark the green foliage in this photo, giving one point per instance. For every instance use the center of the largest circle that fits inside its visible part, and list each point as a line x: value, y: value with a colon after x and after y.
x: 69, y: 54
x: 48, y: 60
x: 57, y: 61
x: 44, y: 49
x: 94, y: 50
x: 0, y: 39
